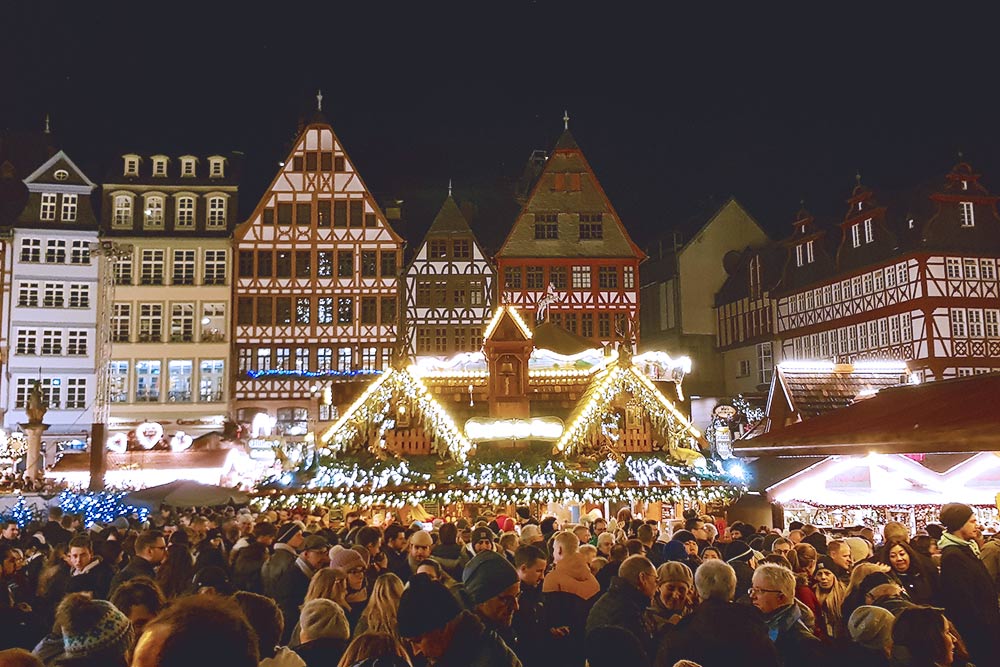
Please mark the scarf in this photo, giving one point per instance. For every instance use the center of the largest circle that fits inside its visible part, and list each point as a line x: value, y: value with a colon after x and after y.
x: 305, y: 567
x: 783, y: 620
x: 949, y: 540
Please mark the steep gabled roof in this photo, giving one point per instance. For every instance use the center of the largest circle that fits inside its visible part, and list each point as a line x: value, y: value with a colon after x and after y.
x: 46, y: 169
x: 568, y: 185
x: 449, y: 221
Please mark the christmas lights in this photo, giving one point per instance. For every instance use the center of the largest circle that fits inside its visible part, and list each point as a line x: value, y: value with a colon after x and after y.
x: 292, y: 374
x: 101, y: 508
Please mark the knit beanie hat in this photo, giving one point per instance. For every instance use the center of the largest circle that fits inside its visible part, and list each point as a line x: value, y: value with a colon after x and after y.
x: 345, y: 559
x: 96, y: 627
x: 488, y: 575
x: 683, y: 536
x: 481, y: 533
x: 817, y: 541
x: 738, y: 550
x: 426, y: 605
x: 872, y: 580
x: 289, y: 530
x: 954, y: 516
x: 674, y: 550
x: 672, y: 571
x: 871, y: 626
x: 860, y: 549
x: 322, y: 619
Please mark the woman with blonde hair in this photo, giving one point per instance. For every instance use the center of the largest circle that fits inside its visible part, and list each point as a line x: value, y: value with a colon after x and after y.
x: 372, y: 646
x: 830, y: 594
x: 327, y: 584
x: 380, y: 613
x: 853, y: 597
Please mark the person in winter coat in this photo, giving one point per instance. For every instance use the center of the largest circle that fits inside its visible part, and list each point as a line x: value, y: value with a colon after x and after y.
x: 673, y: 598
x: 449, y: 553
x: 920, y: 582
x: 696, y: 637
x: 773, y: 593
x: 921, y: 637
x: 437, y: 628
x: 269, y: 624
x: 870, y: 630
x: 527, y: 624
x: 967, y: 592
x: 323, y: 633
x: 150, y: 550
x: 568, y: 592
x: 90, y: 573
x: 625, y: 603
x: 493, y: 587
x: 738, y: 554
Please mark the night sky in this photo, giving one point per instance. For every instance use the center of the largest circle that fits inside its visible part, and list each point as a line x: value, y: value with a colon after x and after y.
x: 671, y: 107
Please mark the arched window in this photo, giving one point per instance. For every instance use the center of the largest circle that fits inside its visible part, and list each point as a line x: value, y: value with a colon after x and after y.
x: 185, y: 212
x: 216, y: 212
x: 153, y: 213
x: 122, y: 211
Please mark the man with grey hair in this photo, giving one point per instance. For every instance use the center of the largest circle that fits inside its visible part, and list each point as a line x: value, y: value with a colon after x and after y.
x: 773, y: 592
x: 696, y: 637
x: 626, y: 600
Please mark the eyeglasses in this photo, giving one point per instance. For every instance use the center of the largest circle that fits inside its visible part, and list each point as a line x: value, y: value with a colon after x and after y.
x: 757, y: 591
x: 356, y: 570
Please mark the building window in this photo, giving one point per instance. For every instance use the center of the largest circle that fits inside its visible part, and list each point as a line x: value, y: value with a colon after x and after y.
x: 119, y: 381
x: 765, y: 363
x: 21, y: 395
x: 187, y: 167
x: 971, y: 268
x: 461, y: 249
x: 883, y: 332
x: 987, y: 269
x: 215, y: 267
x: 879, y: 277
x: 546, y: 226
x: 890, y: 276
x: 587, y: 325
x: 210, y: 374
x: 966, y: 214
x: 76, y: 393
x: 992, y: 320
x: 76, y: 342
x: 906, y: 327
x: 185, y: 213
x: 388, y: 308
x: 369, y: 264
x: 27, y: 295
x: 69, y: 206
x: 974, y: 317
x: 292, y: 421
x: 570, y: 322
x: 607, y: 277
x: 581, y: 277
x: 31, y: 250
x: 147, y: 381
x: 27, y: 341
x: 159, y: 167
x: 868, y: 284
x: 345, y: 310
x: 369, y: 358
x: 869, y: 231
x: 303, y: 307
x: 953, y: 268
x: 476, y: 338
x: 216, y: 212
x: 324, y: 359
x: 215, y: 167
x: 55, y: 251
x: 213, y: 322
x: 131, y: 165
x: 437, y: 249
x: 958, y: 329
x: 121, y: 323
x: 894, y: 330
x: 52, y: 392
x: 153, y: 212
x: 123, y: 271
x: 244, y: 360
x: 182, y: 323
x: 301, y: 359
x: 151, y: 269
x: 590, y: 230
x: 52, y: 341
x: 512, y: 277
x: 423, y: 340
x: 122, y: 211
x: 810, y: 257
x: 799, y: 261
x: 179, y: 373
x: 345, y: 358
x: 856, y: 235
x: 345, y: 264
x: 53, y: 296
x: 150, y: 322
x: 324, y: 310
x: 440, y: 339
x: 183, y: 267
x: 80, y: 252
x: 48, y: 209
x: 263, y: 358
x: 604, y: 326
x: 534, y: 277
x: 79, y: 295
x: 628, y: 277
x: 369, y: 310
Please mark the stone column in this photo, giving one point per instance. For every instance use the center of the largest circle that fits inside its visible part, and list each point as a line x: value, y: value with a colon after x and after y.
x: 33, y: 462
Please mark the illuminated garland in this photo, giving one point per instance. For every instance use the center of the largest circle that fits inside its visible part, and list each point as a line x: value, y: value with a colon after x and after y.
x: 101, y: 507
x: 291, y: 374
x: 364, y: 424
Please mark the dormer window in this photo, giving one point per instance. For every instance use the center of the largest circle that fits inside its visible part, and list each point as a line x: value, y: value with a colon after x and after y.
x: 810, y: 258
x: 869, y: 231
x: 216, y: 166
x: 804, y: 254
x: 966, y: 214
x: 61, y: 175
x: 856, y: 235
x: 159, y: 166
x: 131, y: 165
x: 187, y: 167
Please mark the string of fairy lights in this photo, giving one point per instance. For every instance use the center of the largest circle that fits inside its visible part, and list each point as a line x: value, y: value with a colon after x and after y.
x: 100, y: 508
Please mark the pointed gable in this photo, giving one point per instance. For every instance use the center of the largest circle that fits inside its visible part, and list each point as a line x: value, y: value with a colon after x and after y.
x: 965, y: 216
x: 866, y: 237
x: 449, y: 220
x: 507, y: 326
x: 808, y: 257
x: 566, y: 190
x: 58, y: 170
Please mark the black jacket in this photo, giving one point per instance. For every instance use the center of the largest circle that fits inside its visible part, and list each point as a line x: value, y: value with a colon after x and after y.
x: 622, y: 606
x: 697, y: 638
x: 528, y: 627
x: 97, y: 580
x: 970, y: 601
x: 55, y: 534
x: 137, y: 567
x: 322, y: 652
x: 473, y: 645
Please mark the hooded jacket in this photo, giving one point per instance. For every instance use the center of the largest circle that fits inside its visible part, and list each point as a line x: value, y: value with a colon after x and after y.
x: 572, y: 575
x: 473, y: 645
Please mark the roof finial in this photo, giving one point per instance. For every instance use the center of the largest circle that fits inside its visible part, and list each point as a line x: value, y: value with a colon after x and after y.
x: 449, y: 187
x: 319, y: 100
x: 960, y: 156
x: 48, y: 129
x: 857, y: 177
x: 565, y: 119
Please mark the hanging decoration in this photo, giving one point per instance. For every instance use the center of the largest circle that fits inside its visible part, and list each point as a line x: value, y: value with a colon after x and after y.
x: 149, y: 434
x: 118, y: 443
x: 180, y: 442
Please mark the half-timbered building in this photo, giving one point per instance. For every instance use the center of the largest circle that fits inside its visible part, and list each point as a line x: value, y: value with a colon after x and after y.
x: 916, y: 284
x: 316, y: 290
x: 569, y: 247
x: 449, y: 287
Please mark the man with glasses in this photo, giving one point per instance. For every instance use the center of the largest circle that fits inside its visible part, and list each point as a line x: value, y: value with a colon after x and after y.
x: 781, y: 546
x: 628, y: 596
x: 494, y: 588
x: 150, y: 550
x: 773, y: 592
x: 432, y: 622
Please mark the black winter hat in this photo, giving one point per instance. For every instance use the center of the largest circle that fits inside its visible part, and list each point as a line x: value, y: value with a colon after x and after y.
x: 488, y: 575
x: 481, y: 533
x: 954, y: 516
x: 738, y: 550
x: 683, y: 536
x: 872, y: 580
x: 426, y: 605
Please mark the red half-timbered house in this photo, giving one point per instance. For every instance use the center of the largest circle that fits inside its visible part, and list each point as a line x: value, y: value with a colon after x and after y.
x: 919, y: 285
x: 317, y: 291
x: 569, y: 247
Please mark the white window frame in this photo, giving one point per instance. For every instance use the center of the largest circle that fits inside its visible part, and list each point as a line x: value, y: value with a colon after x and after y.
x: 79, y: 253
x: 628, y: 277
x: 27, y: 294
x: 153, y: 209
x: 27, y: 342
x: 906, y: 327
x: 150, y: 322
x: 798, y: 255
x: 958, y: 328
x: 159, y: 166
x: 76, y: 393
x: 31, y: 251
x: 53, y: 295
x: 188, y: 167
x: 182, y: 322
x: 122, y: 210
x: 974, y: 319
x: 953, y: 268
x: 856, y: 235
x: 155, y: 260
x: 211, y: 378
x: 869, y: 231
x: 991, y: 323
x: 119, y: 380
x: 216, y: 167
x: 215, y: 217
x: 52, y: 341
x: 215, y: 267
x: 180, y: 380
x: 76, y: 342
x: 184, y: 266
x: 47, y: 211
x: 184, y: 208
x: 56, y: 249
x: 987, y: 269
x: 970, y: 268
x: 121, y: 323
x: 150, y: 373
x: 79, y: 295
x: 581, y: 277
x: 967, y: 214
x: 69, y: 206
x: 131, y: 167
x: 810, y: 256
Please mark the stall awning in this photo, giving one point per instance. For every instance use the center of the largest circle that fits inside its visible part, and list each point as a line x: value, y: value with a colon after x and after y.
x: 946, y: 416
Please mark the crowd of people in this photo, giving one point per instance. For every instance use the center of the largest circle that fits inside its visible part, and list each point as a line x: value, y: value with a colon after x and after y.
x: 288, y: 589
